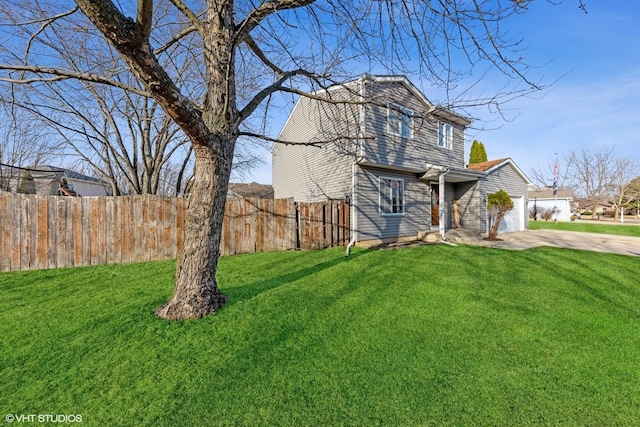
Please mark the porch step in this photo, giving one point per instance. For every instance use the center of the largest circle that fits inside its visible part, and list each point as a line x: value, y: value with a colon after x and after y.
x: 461, y: 235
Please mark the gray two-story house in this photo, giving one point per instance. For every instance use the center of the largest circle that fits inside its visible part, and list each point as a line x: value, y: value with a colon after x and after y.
x: 399, y: 159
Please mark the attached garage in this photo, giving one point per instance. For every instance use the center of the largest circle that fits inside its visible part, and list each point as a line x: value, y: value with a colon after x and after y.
x: 514, y: 220
x: 503, y: 174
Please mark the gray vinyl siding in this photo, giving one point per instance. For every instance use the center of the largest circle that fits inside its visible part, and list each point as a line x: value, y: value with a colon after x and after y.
x: 372, y: 225
x: 314, y: 173
x: 449, y: 191
x: 310, y: 174
x: 468, y: 194
x: 504, y: 178
x: 407, y: 153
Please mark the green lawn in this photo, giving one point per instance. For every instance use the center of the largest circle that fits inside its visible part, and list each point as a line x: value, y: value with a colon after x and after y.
x: 433, y: 335
x: 589, y: 227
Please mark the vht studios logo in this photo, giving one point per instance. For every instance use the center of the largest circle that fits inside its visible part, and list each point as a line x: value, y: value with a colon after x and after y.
x: 42, y: 418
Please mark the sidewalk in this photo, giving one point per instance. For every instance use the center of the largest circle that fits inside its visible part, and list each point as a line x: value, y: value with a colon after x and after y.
x: 622, y: 245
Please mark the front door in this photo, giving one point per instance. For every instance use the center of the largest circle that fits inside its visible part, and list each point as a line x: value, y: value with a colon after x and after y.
x: 435, y: 205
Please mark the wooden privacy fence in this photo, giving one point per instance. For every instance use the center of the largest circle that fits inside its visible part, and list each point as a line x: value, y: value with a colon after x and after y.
x: 39, y: 232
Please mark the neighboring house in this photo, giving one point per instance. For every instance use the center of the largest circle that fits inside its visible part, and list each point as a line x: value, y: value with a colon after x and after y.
x: 396, y: 156
x: 253, y: 189
x: 49, y: 180
x: 602, y: 208
x: 560, y: 205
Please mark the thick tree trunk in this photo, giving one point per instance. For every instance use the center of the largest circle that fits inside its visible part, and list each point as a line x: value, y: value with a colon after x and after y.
x: 196, y: 292
x: 213, y: 131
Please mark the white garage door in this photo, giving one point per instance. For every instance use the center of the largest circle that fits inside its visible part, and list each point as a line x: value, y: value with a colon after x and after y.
x: 514, y: 220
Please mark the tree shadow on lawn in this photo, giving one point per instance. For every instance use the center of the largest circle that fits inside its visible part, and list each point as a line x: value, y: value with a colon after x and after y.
x: 246, y: 292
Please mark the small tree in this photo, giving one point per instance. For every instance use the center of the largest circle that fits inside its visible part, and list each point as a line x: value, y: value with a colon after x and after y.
x: 498, y: 204
x: 477, y: 154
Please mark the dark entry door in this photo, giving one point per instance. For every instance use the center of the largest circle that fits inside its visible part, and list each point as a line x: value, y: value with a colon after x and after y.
x: 435, y: 205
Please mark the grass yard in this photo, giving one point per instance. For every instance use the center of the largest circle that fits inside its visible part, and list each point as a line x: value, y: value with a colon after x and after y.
x: 433, y: 335
x: 588, y: 227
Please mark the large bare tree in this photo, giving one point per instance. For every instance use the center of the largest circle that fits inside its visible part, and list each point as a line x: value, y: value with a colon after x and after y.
x: 124, y: 137
x: 23, y: 140
x: 290, y: 47
x: 623, y: 170
x: 591, y: 174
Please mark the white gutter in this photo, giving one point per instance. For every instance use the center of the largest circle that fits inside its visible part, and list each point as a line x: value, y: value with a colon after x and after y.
x: 354, y: 203
x: 441, y: 204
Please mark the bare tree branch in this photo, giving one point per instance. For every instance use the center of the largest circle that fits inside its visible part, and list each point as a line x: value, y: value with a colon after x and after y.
x: 264, y: 93
x: 121, y: 33
x: 195, y: 21
x: 253, y: 46
x: 144, y: 20
x: 318, y: 144
x: 264, y: 10
x: 45, y: 23
x: 60, y: 75
x: 179, y: 36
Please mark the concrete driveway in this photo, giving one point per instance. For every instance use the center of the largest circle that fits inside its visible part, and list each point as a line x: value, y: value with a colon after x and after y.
x: 622, y: 245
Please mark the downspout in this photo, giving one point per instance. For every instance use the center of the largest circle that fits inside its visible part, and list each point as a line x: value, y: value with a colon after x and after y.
x: 441, y: 207
x: 354, y: 167
x: 354, y: 202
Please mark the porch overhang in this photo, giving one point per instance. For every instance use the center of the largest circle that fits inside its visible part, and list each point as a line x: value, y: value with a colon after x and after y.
x: 433, y: 173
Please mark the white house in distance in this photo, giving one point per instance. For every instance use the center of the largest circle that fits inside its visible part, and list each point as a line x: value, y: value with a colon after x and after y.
x: 542, y: 201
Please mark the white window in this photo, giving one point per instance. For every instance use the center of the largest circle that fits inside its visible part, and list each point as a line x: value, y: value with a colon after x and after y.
x: 391, y: 192
x: 399, y: 121
x: 445, y: 135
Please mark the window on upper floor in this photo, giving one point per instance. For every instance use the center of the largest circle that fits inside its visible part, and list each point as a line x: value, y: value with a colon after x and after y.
x: 399, y: 121
x: 445, y: 135
x: 391, y: 196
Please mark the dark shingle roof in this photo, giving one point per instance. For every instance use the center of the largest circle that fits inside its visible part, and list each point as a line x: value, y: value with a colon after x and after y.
x: 485, y: 166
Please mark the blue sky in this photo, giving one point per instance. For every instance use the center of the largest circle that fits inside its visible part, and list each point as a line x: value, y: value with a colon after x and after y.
x: 593, y: 61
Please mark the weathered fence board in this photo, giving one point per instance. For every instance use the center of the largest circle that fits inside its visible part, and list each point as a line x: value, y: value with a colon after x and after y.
x: 39, y: 232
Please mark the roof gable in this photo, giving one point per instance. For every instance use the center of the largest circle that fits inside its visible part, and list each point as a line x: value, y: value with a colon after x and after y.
x: 492, y: 165
x: 433, y: 109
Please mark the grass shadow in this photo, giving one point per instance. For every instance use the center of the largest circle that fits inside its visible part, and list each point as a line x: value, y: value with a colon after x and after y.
x: 246, y: 292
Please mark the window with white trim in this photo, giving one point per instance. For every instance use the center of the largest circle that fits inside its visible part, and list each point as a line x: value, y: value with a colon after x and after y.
x: 399, y: 121
x: 445, y: 135
x: 391, y: 196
